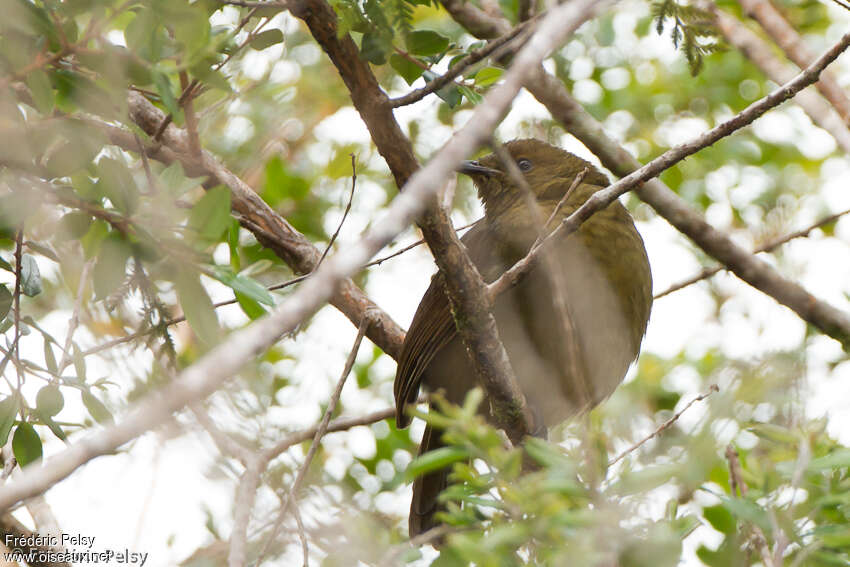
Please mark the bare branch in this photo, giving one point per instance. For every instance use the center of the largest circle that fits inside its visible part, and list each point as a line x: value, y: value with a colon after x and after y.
x: 345, y: 213
x: 768, y: 247
x: 270, y: 228
x: 321, y: 429
x: 666, y: 425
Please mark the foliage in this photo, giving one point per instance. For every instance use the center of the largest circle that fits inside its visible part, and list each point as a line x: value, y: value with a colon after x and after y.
x: 691, y: 30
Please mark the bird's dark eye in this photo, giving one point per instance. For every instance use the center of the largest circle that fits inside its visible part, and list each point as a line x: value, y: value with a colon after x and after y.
x: 524, y: 164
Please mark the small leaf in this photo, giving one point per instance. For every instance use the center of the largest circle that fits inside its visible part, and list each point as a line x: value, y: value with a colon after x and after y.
x: 26, y: 444
x: 210, y: 216
x: 197, y: 306
x: 408, y: 70
x: 163, y: 87
x: 117, y: 184
x: 54, y: 427
x: 49, y: 357
x: 75, y: 224
x: 110, y: 268
x: 49, y: 400
x: 426, y: 42
x: 266, y: 39
x: 30, y: 276
x: 42, y: 91
x: 244, y: 285
x: 435, y: 460
x: 372, y: 49
x: 487, y: 76
x: 450, y: 94
x: 96, y: 409
x: 249, y: 306
x: 79, y: 364
x: 5, y: 301
x: 8, y: 413
x: 470, y: 94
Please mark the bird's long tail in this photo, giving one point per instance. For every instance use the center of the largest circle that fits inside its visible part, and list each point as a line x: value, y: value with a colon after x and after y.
x: 426, y: 488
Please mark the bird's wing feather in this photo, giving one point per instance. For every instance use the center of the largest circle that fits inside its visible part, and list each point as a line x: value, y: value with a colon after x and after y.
x: 432, y: 327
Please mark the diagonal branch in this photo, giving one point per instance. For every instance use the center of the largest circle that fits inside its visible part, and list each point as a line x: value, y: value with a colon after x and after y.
x: 551, y: 92
x: 464, y: 285
x: 270, y: 228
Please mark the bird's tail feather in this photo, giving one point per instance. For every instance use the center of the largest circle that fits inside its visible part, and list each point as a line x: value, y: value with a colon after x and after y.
x: 426, y: 488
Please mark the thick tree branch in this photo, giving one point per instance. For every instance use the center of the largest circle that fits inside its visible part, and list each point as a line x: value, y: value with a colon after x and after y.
x: 269, y: 227
x: 225, y: 360
x: 464, y: 285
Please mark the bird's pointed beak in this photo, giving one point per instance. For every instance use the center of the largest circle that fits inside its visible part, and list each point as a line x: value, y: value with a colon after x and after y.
x: 474, y: 168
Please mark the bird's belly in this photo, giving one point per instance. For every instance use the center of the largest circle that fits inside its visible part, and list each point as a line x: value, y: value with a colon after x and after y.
x: 532, y: 330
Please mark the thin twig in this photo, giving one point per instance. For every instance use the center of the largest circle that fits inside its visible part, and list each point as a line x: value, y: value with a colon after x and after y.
x: 458, y: 68
x: 767, y: 247
x: 576, y: 182
x: 713, y: 388
x: 74, y: 321
x: 344, y: 214
x: 317, y: 437
x: 19, y: 245
x: 840, y: 325
x: 738, y: 485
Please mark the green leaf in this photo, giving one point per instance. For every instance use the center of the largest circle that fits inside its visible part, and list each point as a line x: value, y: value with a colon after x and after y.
x: 435, y: 460
x: 244, y: 285
x: 839, y: 458
x: 249, y: 306
x: 163, y: 87
x: 30, y: 276
x: 720, y: 518
x: 96, y: 409
x: 4, y: 265
x: 5, y: 301
x: 470, y: 94
x: 450, y: 93
x: 79, y: 364
x: 49, y: 357
x: 110, y: 268
x: 197, y: 307
x: 117, y: 184
x: 487, y: 76
x: 210, y: 216
x: 75, y: 224
x: 26, y: 444
x: 408, y: 70
x: 41, y: 90
x: 8, y: 413
x: 266, y: 39
x: 53, y: 426
x: 372, y: 49
x: 426, y: 42
x: 49, y: 400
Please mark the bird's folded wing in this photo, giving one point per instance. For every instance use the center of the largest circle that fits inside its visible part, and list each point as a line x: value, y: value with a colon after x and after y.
x: 432, y: 328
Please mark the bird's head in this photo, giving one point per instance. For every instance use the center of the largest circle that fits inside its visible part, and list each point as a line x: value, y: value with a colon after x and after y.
x: 545, y: 167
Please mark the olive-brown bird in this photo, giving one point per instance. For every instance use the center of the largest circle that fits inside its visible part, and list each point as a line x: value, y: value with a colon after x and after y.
x: 601, y: 274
